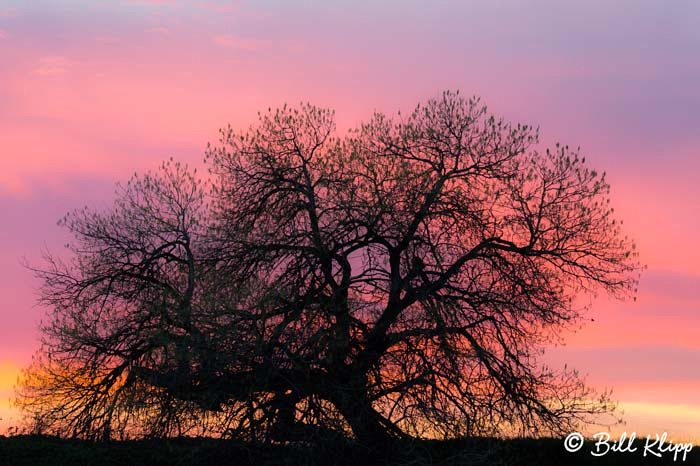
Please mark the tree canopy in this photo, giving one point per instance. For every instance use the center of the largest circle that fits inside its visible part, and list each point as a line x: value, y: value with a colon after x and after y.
x: 399, y: 280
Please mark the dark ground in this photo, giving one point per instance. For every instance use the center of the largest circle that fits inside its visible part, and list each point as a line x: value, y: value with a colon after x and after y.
x: 49, y: 451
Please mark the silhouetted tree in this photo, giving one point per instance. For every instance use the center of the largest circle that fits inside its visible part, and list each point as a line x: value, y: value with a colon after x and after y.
x: 400, y: 281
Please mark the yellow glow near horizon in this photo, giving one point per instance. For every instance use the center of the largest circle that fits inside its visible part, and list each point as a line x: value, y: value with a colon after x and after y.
x: 681, y: 421
x: 9, y: 416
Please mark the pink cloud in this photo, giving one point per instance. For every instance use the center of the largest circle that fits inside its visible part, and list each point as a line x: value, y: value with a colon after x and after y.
x: 51, y: 66
x: 238, y: 43
x: 158, y: 30
x: 109, y: 39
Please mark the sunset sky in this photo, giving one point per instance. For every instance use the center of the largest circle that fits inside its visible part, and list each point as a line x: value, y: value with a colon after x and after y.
x: 93, y: 90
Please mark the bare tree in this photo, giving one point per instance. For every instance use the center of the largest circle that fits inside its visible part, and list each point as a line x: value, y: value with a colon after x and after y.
x: 122, y: 302
x: 400, y: 281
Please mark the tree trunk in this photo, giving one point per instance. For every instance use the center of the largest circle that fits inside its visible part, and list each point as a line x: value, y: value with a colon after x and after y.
x: 364, y: 420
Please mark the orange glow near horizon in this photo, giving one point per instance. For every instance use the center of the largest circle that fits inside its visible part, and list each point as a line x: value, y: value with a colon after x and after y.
x: 9, y: 417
